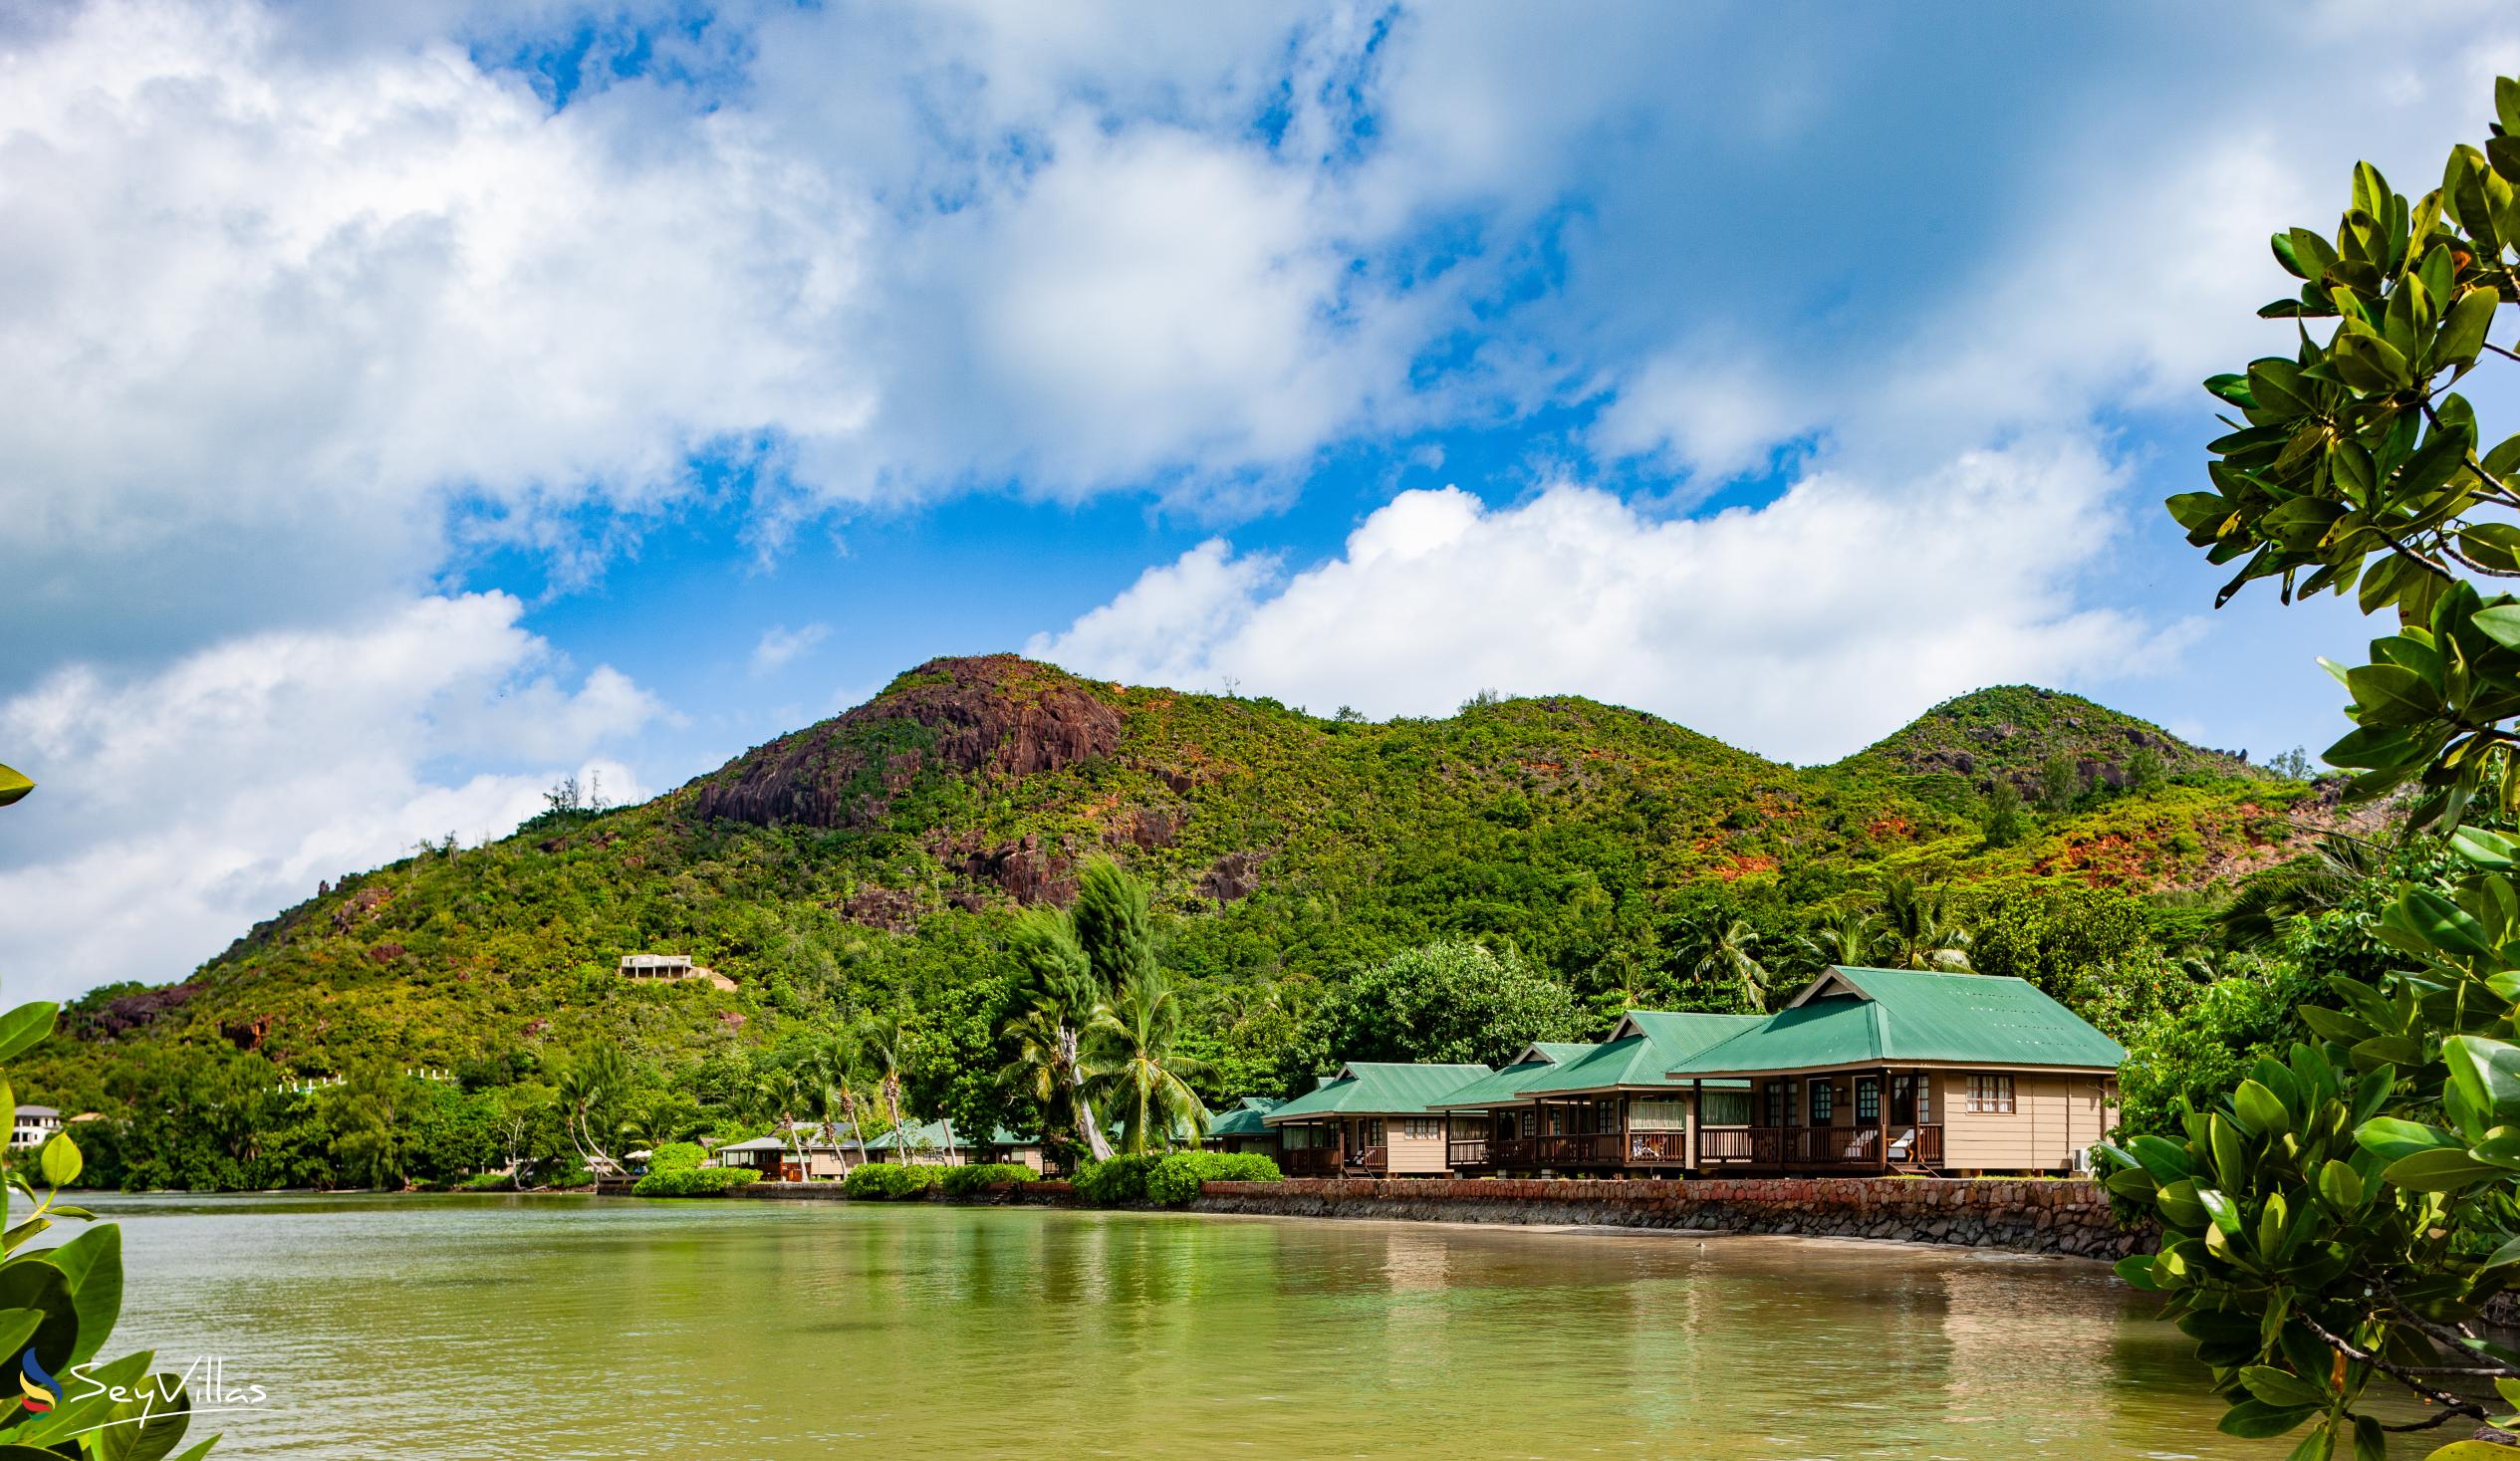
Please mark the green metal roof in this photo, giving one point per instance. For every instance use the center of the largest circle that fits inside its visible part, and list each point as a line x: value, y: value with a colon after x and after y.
x: 1656, y: 1042
x: 1505, y: 1087
x: 934, y: 1137
x: 1371, y: 1089
x: 1243, y: 1118
x: 1911, y: 1014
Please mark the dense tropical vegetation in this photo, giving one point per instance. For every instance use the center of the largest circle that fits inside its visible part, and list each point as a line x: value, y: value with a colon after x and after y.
x: 2342, y: 1213
x: 1005, y: 895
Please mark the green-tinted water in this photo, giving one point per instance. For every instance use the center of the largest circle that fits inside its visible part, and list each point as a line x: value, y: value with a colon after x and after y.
x: 561, y: 1327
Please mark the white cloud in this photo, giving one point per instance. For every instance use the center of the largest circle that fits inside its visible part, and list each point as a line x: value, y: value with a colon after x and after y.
x: 176, y: 808
x: 779, y: 644
x: 1803, y: 630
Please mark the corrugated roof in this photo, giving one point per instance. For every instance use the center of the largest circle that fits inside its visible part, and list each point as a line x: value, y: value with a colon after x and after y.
x: 936, y: 1136
x: 1374, y: 1088
x: 1854, y: 1015
x: 1658, y: 1040
x: 1242, y: 1120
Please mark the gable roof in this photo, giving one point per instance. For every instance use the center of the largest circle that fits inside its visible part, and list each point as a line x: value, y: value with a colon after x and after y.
x: 1378, y: 1089
x: 1854, y: 1015
x: 1243, y: 1118
x: 935, y: 1135
x: 1643, y: 1050
x: 1505, y: 1087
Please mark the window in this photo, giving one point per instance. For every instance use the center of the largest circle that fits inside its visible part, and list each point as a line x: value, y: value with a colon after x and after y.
x: 1824, y: 1103
x: 1425, y: 1128
x: 1867, y: 1099
x: 1778, y: 1096
x: 1370, y: 1132
x: 1992, y: 1093
x: 1531, y: 1124
x: 1727, y: 1108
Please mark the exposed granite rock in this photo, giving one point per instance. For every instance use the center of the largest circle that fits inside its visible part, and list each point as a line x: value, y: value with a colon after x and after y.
x: 888, y: 908
x: 1231, y: 877
x: 993, y: 715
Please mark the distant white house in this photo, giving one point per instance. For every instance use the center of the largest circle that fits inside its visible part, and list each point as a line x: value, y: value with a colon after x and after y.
x: 33, y: 1126
x: 670, y: 967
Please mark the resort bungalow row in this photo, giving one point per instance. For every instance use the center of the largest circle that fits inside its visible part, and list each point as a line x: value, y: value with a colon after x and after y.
x: 930, y: 1143
x: 1863, y: 1071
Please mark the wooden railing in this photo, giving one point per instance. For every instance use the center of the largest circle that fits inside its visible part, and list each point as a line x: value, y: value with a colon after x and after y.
x: 1820, y: 1146
x: 1371, y: 1160
x: 1309, y: 1161
x: 1468, y: 1154
x: 1588, y: 1149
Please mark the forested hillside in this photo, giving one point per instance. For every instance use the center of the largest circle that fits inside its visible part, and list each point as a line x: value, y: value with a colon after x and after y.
x: 873, y: 862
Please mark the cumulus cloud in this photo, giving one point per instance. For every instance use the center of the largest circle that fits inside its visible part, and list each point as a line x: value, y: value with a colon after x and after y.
x: 176, y: 807
x: 1803, y: 630
x: 779, y: 644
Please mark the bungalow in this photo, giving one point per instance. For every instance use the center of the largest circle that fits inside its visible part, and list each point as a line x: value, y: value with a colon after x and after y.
x: 775, y: 1157
x: 1906, y: 1070
x: 1242, y: 1128
x: 1371, y: 1118
x: 935, y: 1143
x: 1864, y: 1070
x: 1603, y: 1109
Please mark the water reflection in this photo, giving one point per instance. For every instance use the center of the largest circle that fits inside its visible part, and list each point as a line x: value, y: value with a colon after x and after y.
x: 757, y: 1330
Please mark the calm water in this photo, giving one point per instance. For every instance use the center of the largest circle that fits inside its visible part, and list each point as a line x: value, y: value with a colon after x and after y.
x: 581, y: 1327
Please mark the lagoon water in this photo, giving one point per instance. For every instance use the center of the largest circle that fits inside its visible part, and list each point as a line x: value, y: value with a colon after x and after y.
x: 489, y: 1327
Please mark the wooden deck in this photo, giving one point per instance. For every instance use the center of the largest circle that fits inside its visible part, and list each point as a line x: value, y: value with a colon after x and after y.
x: 1756, y: 1148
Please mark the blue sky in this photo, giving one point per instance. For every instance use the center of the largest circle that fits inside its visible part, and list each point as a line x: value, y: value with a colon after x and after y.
x: 408, y: 407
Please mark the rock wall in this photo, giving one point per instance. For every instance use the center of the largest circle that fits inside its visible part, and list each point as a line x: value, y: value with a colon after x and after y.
x: 2052, y: 1217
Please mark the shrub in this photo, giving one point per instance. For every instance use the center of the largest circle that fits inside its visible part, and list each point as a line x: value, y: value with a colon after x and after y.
x: 1114, y: 1183
x: 1175, y: 1179
x: 486, y: 1182
x: 694, y: 1182
x: 891, y: 1180
x: 968, y: 1180
x: 675, y: 1156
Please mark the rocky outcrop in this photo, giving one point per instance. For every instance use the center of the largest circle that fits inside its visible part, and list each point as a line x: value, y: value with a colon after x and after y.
x: 2064, y: 1218
x: 994, y: 715
x: 1231, y: 877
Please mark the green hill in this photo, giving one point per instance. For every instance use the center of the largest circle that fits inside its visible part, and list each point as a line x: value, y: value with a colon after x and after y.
x: 875, y: 858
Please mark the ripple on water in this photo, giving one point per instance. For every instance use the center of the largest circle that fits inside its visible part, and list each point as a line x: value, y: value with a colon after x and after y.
x: 463, y: 1328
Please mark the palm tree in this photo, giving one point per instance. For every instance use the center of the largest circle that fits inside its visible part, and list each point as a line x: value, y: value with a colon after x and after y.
x: 2269, y: 900
x: 834, y: 1065
x: 1724, y: 952
x: 590, y: 1083
x: 782, y: 1092
x: 1849, y: 939
x: 884, y: 1041
x: 1129, y: 1049
x: 1918, y: 930
x: 1050, y: 1035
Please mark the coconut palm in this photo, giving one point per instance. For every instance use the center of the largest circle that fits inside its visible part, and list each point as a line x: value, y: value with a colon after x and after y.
x: 1919, y: 929
x: 2269, y: 900
x: 1129, y: 1049
x: 1050, y: 1034
x: 1849, y: 939
x: 592, y: 1083
x: 1725, y: 950
x: 835, y: 1067
x: 885, y: 1041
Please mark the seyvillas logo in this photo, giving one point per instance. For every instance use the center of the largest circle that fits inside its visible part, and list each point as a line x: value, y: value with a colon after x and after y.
x: 43, y: 1392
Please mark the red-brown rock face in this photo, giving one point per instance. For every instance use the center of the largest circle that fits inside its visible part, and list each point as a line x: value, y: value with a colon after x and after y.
x: 996, y: 715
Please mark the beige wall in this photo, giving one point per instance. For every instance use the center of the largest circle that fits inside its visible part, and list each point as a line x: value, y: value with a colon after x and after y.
x: 1408, y: 1155
x: 2052, y: 1116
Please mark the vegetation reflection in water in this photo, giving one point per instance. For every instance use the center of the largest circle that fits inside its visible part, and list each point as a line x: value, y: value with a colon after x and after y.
x: 466, y: 1326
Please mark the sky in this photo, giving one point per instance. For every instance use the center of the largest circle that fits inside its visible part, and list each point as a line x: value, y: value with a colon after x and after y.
x: 405, y: 406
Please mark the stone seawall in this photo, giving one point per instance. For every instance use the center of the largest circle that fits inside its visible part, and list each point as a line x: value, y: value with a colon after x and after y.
x: 2053, y: 1217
